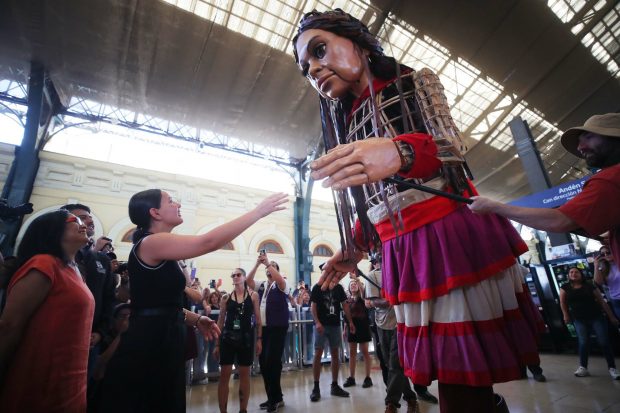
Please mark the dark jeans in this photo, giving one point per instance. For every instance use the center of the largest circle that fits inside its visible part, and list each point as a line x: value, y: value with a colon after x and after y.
x: 615, y: 306
x: 271, y: 361
x: 584, y: 329
x: 398, y: 384
x: 374, y: 331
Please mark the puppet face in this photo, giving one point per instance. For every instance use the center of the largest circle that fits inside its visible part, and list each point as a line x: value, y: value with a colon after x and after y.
x: 332, y: 63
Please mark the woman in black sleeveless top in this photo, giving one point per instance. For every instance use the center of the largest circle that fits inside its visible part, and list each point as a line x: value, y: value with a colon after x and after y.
x: 583, y: 305
x: 237, y: 310
x: 147, y: 372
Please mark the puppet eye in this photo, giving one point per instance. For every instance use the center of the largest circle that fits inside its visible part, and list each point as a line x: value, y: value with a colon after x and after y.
x: 319, y: 50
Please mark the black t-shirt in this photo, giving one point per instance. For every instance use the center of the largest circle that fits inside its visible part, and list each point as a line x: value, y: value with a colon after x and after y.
x: 326, y: 301
x: 95, y: 268
x: 581, y: 302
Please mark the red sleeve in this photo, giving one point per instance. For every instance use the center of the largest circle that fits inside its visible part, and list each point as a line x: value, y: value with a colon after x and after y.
x: 595, y: 209
x: 425, y: 162
x: 46, y: 264
x: 358, y: 236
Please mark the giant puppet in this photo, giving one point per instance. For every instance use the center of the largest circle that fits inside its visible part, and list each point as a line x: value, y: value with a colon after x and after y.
x: 451, y: 275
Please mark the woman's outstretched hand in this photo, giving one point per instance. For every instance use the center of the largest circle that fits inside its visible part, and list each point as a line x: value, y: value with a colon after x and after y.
x: 274, y: 202
x: 336, y: 268
x: 208, y: 328
x: 357, y: 163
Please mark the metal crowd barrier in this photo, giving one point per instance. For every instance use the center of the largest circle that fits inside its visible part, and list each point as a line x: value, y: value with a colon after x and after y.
x: 299, y: 343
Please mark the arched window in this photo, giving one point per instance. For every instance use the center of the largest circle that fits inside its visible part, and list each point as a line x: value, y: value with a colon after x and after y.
x: 271, y: 246
x: 228, y: 247
x: 128, y: 237
x: 322, y: 250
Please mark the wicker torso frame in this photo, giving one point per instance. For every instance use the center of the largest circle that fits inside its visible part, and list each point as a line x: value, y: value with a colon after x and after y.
x: 426, y: 110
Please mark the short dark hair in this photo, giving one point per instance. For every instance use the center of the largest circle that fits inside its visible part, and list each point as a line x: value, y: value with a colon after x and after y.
x: 72, y: 207
x: 112, y: 256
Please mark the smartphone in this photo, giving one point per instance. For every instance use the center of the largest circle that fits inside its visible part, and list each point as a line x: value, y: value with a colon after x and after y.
x: 212, y: 284
x: 262, y: 252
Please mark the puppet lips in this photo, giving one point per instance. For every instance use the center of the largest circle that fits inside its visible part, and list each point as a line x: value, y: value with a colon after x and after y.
x: 322, y: 80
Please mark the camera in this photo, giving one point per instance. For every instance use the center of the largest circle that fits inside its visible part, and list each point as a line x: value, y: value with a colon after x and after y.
x: 8, y: 212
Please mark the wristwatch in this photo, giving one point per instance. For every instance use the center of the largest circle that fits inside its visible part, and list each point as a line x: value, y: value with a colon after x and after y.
x: 407, y: 156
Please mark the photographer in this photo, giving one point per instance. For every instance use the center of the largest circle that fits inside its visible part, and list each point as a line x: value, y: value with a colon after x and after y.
x: 95, y: 267
x: 273, y: 295
x: 606, y: 273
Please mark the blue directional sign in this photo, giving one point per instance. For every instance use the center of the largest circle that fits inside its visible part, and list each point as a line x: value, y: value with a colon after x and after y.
x: 552, y: 197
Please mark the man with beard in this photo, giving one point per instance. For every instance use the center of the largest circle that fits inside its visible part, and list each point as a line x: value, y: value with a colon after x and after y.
x: 594, y: 210
x: 95, y: 268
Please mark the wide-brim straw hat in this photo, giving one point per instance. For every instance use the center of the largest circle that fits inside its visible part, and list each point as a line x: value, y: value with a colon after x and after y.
x: 606, y: 125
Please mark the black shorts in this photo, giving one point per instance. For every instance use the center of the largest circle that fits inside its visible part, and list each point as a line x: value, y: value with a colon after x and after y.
x: 242, y: 355
x: 362, y: 331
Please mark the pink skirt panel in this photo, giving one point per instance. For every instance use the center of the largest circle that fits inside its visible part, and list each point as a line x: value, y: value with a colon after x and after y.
x: 458, y: 250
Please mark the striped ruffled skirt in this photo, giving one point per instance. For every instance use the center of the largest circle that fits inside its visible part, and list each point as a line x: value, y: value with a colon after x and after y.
x: 463, y: 314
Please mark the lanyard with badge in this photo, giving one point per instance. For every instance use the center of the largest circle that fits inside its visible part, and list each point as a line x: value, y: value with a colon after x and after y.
x: 332, y: 308
x: 240, y: 309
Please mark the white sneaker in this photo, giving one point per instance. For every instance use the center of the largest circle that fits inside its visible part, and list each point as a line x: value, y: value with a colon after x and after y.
x: 614, y: 373
x: 582, y: 372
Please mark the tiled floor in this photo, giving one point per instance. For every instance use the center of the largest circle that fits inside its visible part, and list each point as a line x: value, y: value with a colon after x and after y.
x: 562, y: 393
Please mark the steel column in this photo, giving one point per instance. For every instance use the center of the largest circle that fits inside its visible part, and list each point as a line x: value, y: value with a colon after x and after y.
x: 534, y: 169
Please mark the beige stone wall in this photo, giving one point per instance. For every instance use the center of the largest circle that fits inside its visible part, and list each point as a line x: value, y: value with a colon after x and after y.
x: 106, y: 188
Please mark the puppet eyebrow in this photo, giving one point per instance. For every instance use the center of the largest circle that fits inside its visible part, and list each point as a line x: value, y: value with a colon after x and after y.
x: 307, y: 50
x: 311, y: 43
x: 303, y: 63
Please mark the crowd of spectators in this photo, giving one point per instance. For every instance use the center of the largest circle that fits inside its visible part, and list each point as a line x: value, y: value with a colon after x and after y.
x: 120, y: 319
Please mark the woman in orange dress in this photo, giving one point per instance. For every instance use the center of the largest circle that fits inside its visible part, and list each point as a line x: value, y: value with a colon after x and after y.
x: 46, y: 324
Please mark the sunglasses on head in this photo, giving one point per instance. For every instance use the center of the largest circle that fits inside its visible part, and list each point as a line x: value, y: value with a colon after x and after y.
x: 73, y: 218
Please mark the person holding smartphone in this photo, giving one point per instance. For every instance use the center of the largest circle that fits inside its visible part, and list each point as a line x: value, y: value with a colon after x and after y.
x: 273, y: 294
x: 606, y: 273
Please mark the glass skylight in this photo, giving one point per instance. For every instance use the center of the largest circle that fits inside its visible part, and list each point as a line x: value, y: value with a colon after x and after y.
x: 603, y: 39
